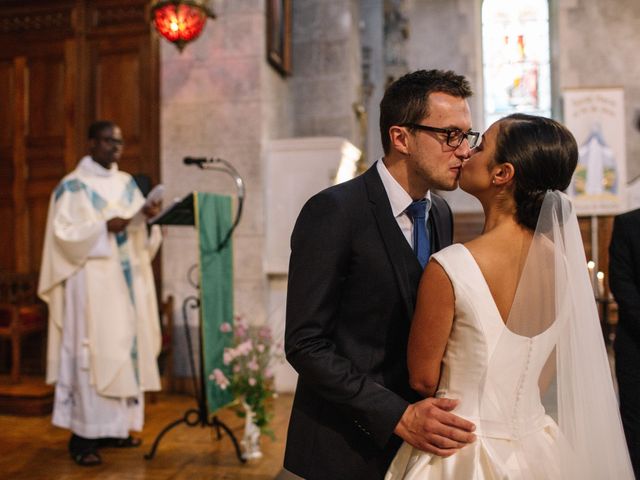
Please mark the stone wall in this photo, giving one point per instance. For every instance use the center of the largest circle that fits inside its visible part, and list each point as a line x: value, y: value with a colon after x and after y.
x: 214, y: 104
x: 373, y: 47
x: 326, y: 55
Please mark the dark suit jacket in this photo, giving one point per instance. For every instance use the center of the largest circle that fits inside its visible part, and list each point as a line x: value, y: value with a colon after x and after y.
x: 624, y: 280
x: 352, y: 289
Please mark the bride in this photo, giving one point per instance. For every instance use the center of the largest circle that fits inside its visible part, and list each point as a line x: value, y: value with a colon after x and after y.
x: 507, y: 324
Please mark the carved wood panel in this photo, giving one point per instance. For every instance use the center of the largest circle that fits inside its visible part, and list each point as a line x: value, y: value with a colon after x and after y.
x: 44, y: 141
x: 33, y: 19
x: 124, y: 79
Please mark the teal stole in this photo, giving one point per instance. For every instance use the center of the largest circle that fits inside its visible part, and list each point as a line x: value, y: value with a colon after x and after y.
x: 213, y: 220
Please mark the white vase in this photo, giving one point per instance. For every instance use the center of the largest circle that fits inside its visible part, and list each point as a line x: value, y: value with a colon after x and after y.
x: 251, y: 438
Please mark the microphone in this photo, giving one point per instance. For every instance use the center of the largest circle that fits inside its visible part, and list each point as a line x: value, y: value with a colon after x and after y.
x: 194, y: 161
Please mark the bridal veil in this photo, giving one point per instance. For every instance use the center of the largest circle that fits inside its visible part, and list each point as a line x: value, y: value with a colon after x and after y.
x: 555, y: 296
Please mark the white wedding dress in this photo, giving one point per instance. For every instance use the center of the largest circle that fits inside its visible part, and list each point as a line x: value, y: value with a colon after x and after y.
x: 501, y: 397
x: 537, y: 386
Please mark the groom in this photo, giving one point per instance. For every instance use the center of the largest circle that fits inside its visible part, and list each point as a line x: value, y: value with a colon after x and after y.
x: 358, y: 251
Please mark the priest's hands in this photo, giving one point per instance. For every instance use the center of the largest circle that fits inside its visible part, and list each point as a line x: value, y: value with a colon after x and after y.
x: 117, y: 224
x: 152, y: 209
x: 429, y: 425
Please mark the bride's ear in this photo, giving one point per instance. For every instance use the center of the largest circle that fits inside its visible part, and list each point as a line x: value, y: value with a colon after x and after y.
x: 503, y: 174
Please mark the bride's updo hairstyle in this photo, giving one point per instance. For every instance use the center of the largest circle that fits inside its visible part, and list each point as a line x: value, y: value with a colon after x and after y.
x: 544, y: 155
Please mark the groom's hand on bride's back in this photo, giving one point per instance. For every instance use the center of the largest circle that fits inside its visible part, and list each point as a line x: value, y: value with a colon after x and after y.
x: 430, y: 426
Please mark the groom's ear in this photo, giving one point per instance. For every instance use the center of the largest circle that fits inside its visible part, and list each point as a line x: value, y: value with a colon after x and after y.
x: 399, y: 137
x: 503, y: 174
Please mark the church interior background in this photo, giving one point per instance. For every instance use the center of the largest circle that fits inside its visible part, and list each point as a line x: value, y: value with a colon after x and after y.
x: 287, y: 121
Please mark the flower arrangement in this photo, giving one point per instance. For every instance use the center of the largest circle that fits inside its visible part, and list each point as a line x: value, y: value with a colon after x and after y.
x: 250, y: 376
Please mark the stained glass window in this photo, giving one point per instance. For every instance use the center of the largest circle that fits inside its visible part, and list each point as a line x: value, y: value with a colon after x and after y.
x: 515, y: 53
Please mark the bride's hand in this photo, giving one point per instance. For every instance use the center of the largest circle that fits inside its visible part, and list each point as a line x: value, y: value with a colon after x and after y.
x: 430, y: 426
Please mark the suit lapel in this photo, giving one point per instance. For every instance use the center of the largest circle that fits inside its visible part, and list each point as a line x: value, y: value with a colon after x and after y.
x: 434, y: 228
x: 389, y: 231
x: 441, y: 224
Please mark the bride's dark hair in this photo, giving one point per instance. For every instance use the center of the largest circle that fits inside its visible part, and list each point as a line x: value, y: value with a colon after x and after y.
x: 544, y: 155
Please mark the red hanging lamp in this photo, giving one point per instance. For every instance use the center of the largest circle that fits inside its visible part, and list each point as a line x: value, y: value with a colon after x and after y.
x: 180, y: 21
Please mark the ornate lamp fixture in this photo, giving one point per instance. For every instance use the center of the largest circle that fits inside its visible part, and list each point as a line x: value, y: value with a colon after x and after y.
x: 180, y: 21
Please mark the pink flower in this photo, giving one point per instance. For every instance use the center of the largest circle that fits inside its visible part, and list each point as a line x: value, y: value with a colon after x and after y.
x: 245, y: 347
x: 236, y: 368
x: 252, y: 382
x: 221, y: 380
x: 227, y: 356
x: 253, y: 365
x: 241, y: 331
x: 240, y: 327
x: 260, y: 347
x: 225, y: 327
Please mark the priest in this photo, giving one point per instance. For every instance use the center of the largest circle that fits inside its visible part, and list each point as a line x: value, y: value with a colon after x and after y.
x: 96, y: 276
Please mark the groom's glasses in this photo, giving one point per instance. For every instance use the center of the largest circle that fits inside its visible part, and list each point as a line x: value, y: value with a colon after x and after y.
x: 455, y: 136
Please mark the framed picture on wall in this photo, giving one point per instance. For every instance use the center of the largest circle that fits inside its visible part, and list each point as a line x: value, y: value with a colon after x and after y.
x: 279, y: 35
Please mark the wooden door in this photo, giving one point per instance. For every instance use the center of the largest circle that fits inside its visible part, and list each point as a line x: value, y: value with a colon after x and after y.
x: 121, y: 59
x: 36, y: 148
x: 7, y: 169
x: 117, y: 72
x: 64, y: 64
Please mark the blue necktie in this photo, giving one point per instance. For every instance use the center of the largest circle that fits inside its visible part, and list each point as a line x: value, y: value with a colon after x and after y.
x: 417, y: 213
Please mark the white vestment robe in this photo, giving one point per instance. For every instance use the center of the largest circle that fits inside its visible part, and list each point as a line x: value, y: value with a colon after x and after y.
x: 104, y: 331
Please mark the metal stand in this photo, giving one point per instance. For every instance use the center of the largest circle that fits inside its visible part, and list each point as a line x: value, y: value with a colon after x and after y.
x: 200, y: 415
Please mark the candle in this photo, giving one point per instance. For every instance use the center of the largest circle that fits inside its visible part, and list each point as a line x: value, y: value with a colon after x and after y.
x: 600, y: 277
x: 591, y: 265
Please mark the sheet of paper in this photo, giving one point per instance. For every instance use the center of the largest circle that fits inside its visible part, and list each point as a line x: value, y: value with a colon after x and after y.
x: 155, y: 195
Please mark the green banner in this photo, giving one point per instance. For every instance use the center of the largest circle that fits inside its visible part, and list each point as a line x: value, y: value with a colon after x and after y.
x: 213, y: 221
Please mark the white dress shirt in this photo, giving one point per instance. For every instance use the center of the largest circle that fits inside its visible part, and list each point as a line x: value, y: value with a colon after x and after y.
x: 400, y: 200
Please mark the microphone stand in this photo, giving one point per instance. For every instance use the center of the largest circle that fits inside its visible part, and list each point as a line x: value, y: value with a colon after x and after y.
x: 200, y: 416
x: 222, y: 166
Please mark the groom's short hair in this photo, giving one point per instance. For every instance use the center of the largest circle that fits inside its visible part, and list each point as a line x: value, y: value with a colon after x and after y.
x: 406, y: 100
